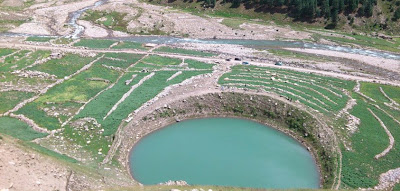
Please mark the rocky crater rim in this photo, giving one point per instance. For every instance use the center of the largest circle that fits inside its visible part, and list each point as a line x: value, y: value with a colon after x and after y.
x: 278, y: 113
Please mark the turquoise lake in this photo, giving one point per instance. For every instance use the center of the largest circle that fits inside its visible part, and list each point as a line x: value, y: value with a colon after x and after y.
x: 223, y: 151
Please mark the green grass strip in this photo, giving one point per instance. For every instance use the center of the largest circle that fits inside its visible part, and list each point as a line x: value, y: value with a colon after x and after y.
x: 18, y: 129
x: 184, y: 51
x: 95, y: 43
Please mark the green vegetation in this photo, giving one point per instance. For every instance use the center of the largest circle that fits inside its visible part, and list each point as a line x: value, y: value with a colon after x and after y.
x: 320, y: 93
x: 332, y: 12
x: 63, y: 41
x: 188, y: 74
x: 233, y: 23
x: 292, y: 54
x: 10, y: 99
x: 396, y: 187
x: 99, y: 107
x: 113, y: 20
x: 132, y: 58
x: 184, y: 51
x: 198, y: 65
x: 375, y: 42
x: 6, y: 51
x: 22, y: 59
x: 49, y: 152
x: 129, y: 45
x: 6, y: 24
x: 95, y: 43
x: 33, y: 83
x: 68, y: 95
x: 18, y: 129
x: 360, y: 168
x: 10, y: 61
x: 67, y: 65
x: 39, y: 39
x: 161, y: 61
x: 120, y: 60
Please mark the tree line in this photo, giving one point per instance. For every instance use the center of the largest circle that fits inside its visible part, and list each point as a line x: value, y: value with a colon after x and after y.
x: 309, y: 9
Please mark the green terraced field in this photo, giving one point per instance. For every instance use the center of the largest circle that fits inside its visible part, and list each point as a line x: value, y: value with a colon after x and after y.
x: 39, y: 39
x: 67, y: 65
x: 161, y: 61
x: 91, y: 43
x: 323, y: 94
x: 184, y: 51
x: 156, y: 63
x: 198, y: 65
x: 326, y: 95
x: 129, y: 45
x: 88, y: 107
x: 360, y: 168
x: 24, y: 59
x: 6, y: 51
x: 94, y: 92
x: 18, y: 129
x: 10, y: 99
x: 120, y: 60
x: 70, y: 94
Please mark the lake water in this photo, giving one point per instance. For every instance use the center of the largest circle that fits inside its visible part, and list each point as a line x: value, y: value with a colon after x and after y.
x: 223, y: 151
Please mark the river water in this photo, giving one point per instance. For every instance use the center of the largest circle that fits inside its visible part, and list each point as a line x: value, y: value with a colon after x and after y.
x: 78, y: 30
x: 223, y: 151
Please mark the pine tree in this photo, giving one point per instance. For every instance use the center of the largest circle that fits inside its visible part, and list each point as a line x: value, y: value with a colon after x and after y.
x: 352, y: 5
x: 368, y: 8
x: 325, y: 9
x: 298, y: 4
x: 396, y: 15
x: 236, y: 3
x: 341, y: 6
x: 335, y: 11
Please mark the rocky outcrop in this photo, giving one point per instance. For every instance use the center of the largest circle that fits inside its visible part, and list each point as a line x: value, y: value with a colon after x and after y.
x: 175, y: 183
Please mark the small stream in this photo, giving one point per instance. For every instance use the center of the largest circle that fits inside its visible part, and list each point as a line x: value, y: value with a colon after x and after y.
x: 74, y: 16
x: 261, y: 44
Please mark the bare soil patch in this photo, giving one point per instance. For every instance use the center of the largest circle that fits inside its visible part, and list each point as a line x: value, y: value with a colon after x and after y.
x: 12, y: 3
x: 21, y: 169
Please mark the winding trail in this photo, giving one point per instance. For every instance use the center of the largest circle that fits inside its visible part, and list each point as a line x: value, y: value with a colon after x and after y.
x: 391, y: 138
